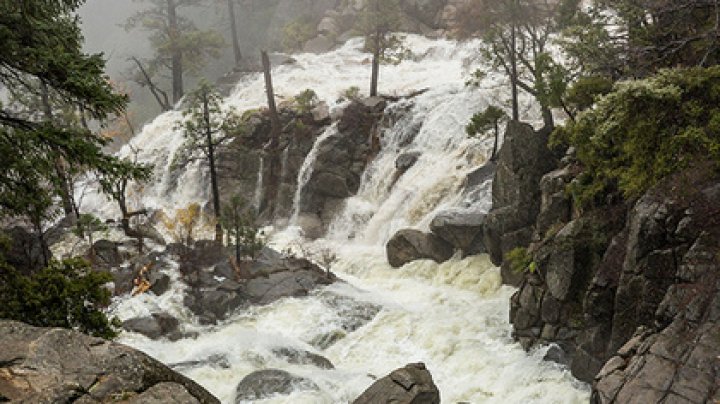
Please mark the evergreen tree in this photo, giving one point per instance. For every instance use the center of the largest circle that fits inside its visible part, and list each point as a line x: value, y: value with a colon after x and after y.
x: 42, y: 57
x: 206, y: 126
x: 378, y: 21
x: 179, y: 45
x: 516, y: 37
x: 487, y: 120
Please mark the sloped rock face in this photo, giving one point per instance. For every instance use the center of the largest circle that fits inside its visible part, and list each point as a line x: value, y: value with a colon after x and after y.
x: 410, y: 245
x: 51, y: 365
x: 522, y: 161
x: 412, y: 384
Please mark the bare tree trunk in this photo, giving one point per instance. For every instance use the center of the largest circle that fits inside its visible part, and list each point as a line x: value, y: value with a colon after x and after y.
x: 213, y: 170
x: 160, y: 96
x: 177, y: 57
x: 58, y: 163
x: 273, y: 147
x: 234, y: 33
x: 513, y: 64
x: 375, y: 66
x: 493, y: 157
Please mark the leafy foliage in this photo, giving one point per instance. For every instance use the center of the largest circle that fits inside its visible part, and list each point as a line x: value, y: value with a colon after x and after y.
x: 87, y: 226
x: 306, y: 101
x: 520, y: 260
x: 65, y: 294
x: 182, y: 226
x: 645, y: 130
x: 484, y: 121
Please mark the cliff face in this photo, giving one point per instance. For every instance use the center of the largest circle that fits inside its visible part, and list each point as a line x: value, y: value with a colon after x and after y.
x: 629, y: 292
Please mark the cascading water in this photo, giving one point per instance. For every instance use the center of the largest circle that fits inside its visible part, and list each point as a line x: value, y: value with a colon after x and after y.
x: 306, y: 172
x: 451, y: 316
x: 259, y: 189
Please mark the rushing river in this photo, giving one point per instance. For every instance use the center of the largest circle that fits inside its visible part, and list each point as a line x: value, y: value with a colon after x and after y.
x: 453, y: 316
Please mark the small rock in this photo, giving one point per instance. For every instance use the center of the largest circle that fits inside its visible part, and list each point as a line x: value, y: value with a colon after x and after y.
x: 265, y: 383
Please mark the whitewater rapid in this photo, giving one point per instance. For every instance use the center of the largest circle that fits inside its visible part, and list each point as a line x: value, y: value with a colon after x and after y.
x: 451, y: 316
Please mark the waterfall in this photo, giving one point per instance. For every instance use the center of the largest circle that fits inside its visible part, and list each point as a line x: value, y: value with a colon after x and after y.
x: 259, y: 185
x: 306, y: 171
x: 452, y: 316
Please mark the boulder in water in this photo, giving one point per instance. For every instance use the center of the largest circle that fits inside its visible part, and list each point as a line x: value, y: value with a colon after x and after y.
x: 56, y: 365
x: 268, y: 382
x: 409, y: 245
x: 412, y: 384
x: 462, y: 229
x: 155, y: 326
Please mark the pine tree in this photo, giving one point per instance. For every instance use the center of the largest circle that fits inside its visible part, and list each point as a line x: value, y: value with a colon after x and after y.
x: 206, y: 126
x: 179, y: 45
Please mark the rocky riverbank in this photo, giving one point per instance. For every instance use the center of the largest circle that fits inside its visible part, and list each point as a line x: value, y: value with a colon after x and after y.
x: 628, y: 291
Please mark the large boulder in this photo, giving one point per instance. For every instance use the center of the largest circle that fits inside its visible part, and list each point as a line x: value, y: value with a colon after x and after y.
x: 409, y: 245
x: 412, y: 384
x: 265, y: 383
x: 461, y: 228
x: 53, y: 365
x: 154, y: 326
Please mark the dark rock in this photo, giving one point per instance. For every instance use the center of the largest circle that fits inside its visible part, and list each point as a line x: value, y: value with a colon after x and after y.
x: 406, y: 160
x: 60, y: 365
x: 215, y: 361
x: 25, y: 253
x: 107, y: 254
x: 412, y: 384
x: 302, y: 357
x: 522, y: 161
x: 154, y: 326
x: 409, y: 245
x: 162, y: 393
x: 265, y: 383
x: 459, y: 228
x: 160, y: 282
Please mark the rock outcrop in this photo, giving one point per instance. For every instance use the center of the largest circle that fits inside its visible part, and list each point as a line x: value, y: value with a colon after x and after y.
x: 410, y: 245
x: 523, y: 160
x: 412, y: 384
x: 630, y: 292
x: 340, y: 162
x: 53, y: 365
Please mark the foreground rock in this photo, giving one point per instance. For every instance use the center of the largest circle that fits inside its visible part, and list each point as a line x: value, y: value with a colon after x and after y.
x: 462, y: 229
x: 52, y: 365
x: 412, y: 384
x: 265, y: 383
x: 410, y: 245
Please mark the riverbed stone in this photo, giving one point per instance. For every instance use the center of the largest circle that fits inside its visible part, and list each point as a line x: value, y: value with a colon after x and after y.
x: 265, y: 383
x: 412, y: 384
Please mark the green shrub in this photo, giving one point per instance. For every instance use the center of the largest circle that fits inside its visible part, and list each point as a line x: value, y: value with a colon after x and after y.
x: 645, y: 130
x: 306, y: 101
x: 520, y: 260
x: 66, y: 294
x: 350, y: 93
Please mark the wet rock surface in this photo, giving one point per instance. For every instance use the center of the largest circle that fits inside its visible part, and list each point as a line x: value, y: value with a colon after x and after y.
x: 265, y: 383
x: 52, y: 365
x: 410, y: 245
x: 412, y: 384
x: 522, y: 161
